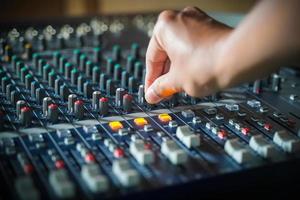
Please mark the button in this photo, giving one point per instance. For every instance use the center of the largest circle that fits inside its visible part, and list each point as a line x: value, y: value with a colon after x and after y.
x: 245, y: 131
x: 232, y: 107
x: 61, y: 184
x: 140, y: 153
x: 222, y: 134
x: 89, y: 157
x: 127, y: 176
x: 187, y: 137
x: 115, y: 125
x: 59, y: 164
x: 267, y: 127
x: 173, y: 124
x: 238, y: 151
x: 264, y: 148
x: 289, y: 143
x: 148, y: 128
x: 119, y: 152
x: 173, y: 152
x: 140, y: 121
x: 123, y: 131
x: 254, y: 103
x: 210, y: 111
x: 26, y: 189
x: 93, y: 178
x: 164, y: 117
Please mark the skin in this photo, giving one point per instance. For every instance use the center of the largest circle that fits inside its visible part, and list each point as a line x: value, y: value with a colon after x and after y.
x: 191, y: 52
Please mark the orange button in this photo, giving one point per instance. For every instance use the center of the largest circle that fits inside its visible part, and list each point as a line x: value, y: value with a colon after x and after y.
x: 115, y: 125
x: 140, y: 121
x: 164, y: 117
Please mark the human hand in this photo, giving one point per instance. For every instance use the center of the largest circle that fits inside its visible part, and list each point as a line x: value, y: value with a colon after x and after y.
x: 183, y: 54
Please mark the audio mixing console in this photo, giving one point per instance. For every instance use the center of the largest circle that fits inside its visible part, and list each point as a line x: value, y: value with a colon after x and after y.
x: 74, y: 122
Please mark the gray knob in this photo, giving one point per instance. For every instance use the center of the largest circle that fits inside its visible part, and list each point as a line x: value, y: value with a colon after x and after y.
x: 119, y: 96
x: 95, y: 99
x: 20, y: 104
x: 71, y: 99
x: 46, y: 102
x: 141, y: 99
x: 276, y: 82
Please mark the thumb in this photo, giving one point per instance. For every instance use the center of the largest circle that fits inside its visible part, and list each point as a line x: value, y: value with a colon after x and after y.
x: 163, y: 87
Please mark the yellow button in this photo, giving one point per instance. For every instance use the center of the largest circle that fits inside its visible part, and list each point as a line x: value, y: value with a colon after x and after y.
x: 115, y: 125
x: 140, y: 121
x: 164, y: 117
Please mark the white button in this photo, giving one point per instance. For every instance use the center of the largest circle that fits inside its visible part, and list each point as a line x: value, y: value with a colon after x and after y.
x: 26, y: 189
x: 254, y: 103
x: 188, y: 113
x: 232, y: 107
x: 127, y: 176
x: 238, y: 151
x: 90, y: 129
x: 61, y: 184
x: 172, y: 151
x: 93, y: 178
x: 142, y: 155
x: 286, y: 141
x: 36, y: 137
x: 264, y: 148
x: 63, y: 133
x: 187, y: 137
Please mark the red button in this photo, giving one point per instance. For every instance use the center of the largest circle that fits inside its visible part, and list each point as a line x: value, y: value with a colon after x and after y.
x: 222, y: 134
x: 246, y: 130
x: 79, y: 102
x: 25, y: 109
x: 148, y: 146
x: 118, y: 153
x: 28, y: 168
x: 89, y: 157
x: 267, y: 127
x: 104, y: 99
x: 59, y: 164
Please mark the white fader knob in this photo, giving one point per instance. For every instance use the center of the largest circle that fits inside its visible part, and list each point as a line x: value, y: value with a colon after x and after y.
x: 187, y: 137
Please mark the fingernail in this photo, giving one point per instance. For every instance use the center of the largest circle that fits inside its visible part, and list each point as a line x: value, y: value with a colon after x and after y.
x: 151, y: 97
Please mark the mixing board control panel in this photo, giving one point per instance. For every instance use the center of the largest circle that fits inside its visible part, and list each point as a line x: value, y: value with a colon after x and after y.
x: 74, y: 122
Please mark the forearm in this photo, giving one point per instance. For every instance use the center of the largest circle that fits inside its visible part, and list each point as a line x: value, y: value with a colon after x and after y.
x: 267, y: 38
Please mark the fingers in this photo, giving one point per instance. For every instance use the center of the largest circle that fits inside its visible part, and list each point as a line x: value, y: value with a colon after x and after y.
x: 163, y: 87
x: 156, y: 59
x: 157, y: 62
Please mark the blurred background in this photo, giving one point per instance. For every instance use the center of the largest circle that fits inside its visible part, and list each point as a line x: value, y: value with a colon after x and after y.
x: 12, y: 10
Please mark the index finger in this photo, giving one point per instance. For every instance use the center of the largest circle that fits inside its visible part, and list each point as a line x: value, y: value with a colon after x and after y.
x: 156, y: 58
